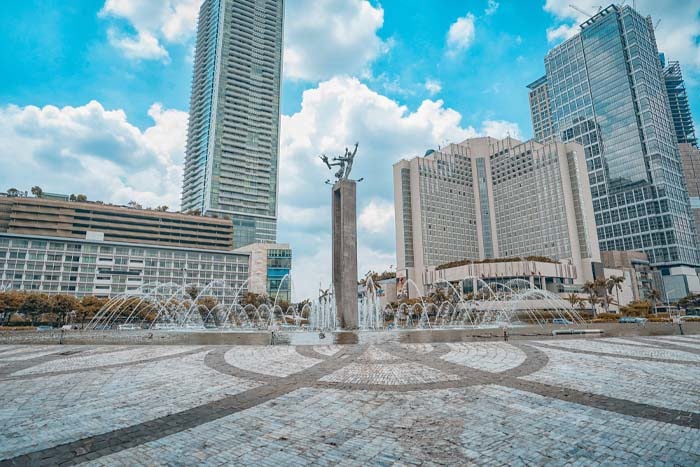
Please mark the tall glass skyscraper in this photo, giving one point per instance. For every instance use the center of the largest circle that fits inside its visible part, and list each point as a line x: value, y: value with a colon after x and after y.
x: 231, y: 162
x: 678, y: 98
x: 606, y: 91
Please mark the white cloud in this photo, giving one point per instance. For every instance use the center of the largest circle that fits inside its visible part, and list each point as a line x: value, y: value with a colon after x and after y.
x: 461, y: 34
x: 142, y: 46
x: 330, y: 37
x: 323, y: 38
x: 155, y: 22
x: 91, y: 150
x: 433, y: 86
x: 491, y: 8
x: 336, y: 114
x: 676, y: 35
x: 501, y: 129
x: 377, y: 217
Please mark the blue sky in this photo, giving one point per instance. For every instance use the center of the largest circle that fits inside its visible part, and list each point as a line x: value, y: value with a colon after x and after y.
x: 94, y: 95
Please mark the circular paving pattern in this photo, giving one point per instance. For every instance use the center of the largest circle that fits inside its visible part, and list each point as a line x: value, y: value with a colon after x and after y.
x: 362, y: 404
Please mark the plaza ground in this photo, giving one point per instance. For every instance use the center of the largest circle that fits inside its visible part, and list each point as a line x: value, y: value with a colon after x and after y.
x: 631, y: 400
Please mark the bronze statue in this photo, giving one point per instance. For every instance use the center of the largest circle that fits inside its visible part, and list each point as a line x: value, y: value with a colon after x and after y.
x: 344, y: 163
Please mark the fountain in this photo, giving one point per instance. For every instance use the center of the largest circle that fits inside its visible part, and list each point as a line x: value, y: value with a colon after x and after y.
x: 220, y: 308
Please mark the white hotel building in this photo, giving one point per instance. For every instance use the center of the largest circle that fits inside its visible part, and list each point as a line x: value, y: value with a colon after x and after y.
x: 486, y: 198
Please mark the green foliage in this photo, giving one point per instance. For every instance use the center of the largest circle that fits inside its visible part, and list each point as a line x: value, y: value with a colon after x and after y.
x: 464, y: 262
x: 61, y: 305
x: 640, y: 308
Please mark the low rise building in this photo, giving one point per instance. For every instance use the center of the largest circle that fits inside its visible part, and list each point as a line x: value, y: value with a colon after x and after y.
x: 82, y: 249
x: 270, y: 268
x: 81, y: 267
x: 71, y: 219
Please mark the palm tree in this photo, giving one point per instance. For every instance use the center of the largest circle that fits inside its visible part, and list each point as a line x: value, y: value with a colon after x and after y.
x: 654, y: 296
x: 37, y: 191
x: 615, y: 282
x: 573, y: 299
x: 590, y: 289
x: 601, y: 288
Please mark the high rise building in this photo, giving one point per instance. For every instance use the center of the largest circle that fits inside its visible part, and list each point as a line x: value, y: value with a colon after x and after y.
x: 678, y: 99
x: 690, y: 155
x: 486, y: 198
x: 540, y: 111
x: 231, y: 162
x: 606, y: 91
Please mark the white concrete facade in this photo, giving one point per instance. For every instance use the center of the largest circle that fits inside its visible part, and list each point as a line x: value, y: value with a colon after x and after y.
x: 488, y: 198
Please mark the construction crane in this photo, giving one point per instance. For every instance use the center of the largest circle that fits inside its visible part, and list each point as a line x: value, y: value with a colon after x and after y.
x: 587, y: 15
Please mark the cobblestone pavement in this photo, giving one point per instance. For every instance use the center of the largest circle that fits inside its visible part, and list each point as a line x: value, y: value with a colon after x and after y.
x: 594, y: 401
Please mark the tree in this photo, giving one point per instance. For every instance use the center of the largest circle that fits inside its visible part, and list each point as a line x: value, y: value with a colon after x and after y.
x: 35, y: 305
x: 615, y: 282
x: 205, y: 307
x: 134, y: 205
x: 61, y: 305
x: 163, y: 208
x: 13, y: 192
x: 654, y: 296
x: 573, y: 299
x: 255, y: 299
x: 37, y: 191
x: 10, y: 303
x: 590, y: 289
x: 192, y: 291
x: 89, y: 306
x: 640, y: 308
x: 689, y: 302
x: 601, y: 288
x: 81, y: 198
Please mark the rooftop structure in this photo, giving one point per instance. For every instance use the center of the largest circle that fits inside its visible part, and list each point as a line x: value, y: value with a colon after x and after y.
x: 96, y: 221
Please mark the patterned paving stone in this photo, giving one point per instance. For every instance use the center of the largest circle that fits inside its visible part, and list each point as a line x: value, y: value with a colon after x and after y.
x: 273, y: 361
x: 46, y: 411
x: 569, y: 401
x: 391, y: 375
x: 602, y: 346
x: 375, y: 354
x: 118, y: 357
x: 327, y: 350
x: 488, y: 356
x: 488, y: 425
x: 671, y: 385
x: 677, y: 341
x: 418, y: 348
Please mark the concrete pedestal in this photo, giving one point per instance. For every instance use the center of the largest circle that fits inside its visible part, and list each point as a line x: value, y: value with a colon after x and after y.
x: 345, y: 252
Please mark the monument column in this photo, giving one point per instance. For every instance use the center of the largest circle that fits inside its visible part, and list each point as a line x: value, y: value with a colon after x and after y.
x: 345, y: 252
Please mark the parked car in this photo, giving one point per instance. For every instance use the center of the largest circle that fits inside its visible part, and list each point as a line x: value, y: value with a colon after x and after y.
x: 561, y: 321
x: 44, y: 328
x: 632, y: 320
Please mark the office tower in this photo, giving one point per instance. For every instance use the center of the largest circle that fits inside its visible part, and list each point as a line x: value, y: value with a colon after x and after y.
x: 690, y: 155
x: 678, y: 100
x: 539, y: 110
x: 489, y: 198
x: 231, y: 162
x: 606, y: 91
